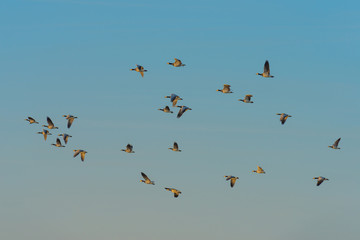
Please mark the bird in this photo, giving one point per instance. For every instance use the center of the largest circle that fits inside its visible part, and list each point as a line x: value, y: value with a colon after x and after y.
x: 147, y: 180
x: 335, y: 145
x: 166, y: 109
x: 175, y: 191
x: 70, y: 119
x: 31, y: 120
x: 182, y: 110
x: 283, y: 117
x: 247, y: 99
x: 232, y: 180
x: 128, y: 149
x: 45, y: 133
x: 175, y: 148
x: 259, y: 170
x: 320, y: 180
x: 65, y: 137
x: 174, y: 98
x: 139, y: 69
x: 82, y: 154
x: 58, y: 143
x: 177, y: 63
x: 266, y: 72
x: 226, y: 89
x: 50, y: 124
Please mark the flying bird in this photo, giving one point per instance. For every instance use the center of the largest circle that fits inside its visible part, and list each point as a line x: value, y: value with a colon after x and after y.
x: 232, y: 180
x: 259, y: 170
x: 139, y: 69
x: 45, y: 133
x: 58, y: 143
x: 175, y: 148
x: 266, y: 72
x: 65, y: 137
x: 283, y: 117
x: 320, y: 180
x: 31, y: 120
x: 166, y: 109
x: 182, y: 110
x: 174, y: 98
x: 147, y: 180
x: 50, y: 124
x: 247, y: 99
x: 226, y: 89
x: 177, y: 63
x: 70, y: 119
x: 175, y: 191
x: 82, y: 154
x: 335, y: 145
x: 128, y: 149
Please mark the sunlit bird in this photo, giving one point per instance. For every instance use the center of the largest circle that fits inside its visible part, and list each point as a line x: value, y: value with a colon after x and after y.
x: 247, y: 99
x: 232, y: 180
x: 226, y: 89
x: 139, y: 69
x: 82, y: 154
x: 175, y: 148
x: 50, y: 124
x: 70, y: 119
x: 177, y: 63
x: 31, y: 120
x: 259, y: 170
x: 320, y: 180
x: 128, y: 149
x: 175, y: 191
x: 166, y: 109
x: 182, y: 110
x: 174, y: 98
x: 58, y: 143
x: 283, y: 117
x: 147, y: 180
x: 45, y: 133
x: 65, y: 137
x: 266, y: 72
x: 335, y: 145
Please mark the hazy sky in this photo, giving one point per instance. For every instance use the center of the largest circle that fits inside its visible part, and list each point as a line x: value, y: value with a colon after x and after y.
x: 73, y: 57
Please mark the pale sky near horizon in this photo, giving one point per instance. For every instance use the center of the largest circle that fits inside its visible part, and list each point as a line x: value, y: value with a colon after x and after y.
x: 73, y: 57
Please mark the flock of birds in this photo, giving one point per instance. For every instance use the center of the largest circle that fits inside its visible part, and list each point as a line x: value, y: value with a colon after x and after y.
x: 174, y: 100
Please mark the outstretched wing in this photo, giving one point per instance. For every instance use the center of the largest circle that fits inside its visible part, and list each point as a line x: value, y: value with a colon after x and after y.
x: 58, y: 142
x: 227, y: 88
x: 82, y: 155
x: 336, y: 143
x: 176, y: 194
x: 267, y: 67
x: 260, y: 170
x: 76, y: 152
x: 176, y: 146
x: 130, y: 147
x: 70, y: 121
x: 31, y: 118
x: 144, y: 176
x: 181, y: 111
x: 248, y: 97
x: 50, y: 123
x: 320, y: 180
x: 232, y: 182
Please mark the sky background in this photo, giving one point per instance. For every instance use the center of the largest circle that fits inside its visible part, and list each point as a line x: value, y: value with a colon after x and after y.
x: 73, y: 57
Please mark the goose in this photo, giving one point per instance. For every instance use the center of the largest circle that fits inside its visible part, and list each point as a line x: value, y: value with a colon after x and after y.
x: 259, y: 170
x: 226, y: 89
x: 177, y: 63
x: 175, y: 148
x: 139, y: 69
x: 182, y: 110
x: 70, y: 119
x: 147, y: 180
x: 50, y: 124
x: 175, y: 191
x: 82, y: 154
x: 166, y: 109
x: 128, y: 149
x: 31, y: 120
x: 58, y: 143
x: 335, y: 145
x: 65, y: 137
x: 266, y: 72
x: 232, y: 180
x: 174, y: 98
x: 320, y: 180
x: 45, y: 133
x: 283, y: 117
x: 247, y: 99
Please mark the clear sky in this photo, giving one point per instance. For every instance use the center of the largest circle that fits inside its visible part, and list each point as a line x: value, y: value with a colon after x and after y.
x: 73, y: 57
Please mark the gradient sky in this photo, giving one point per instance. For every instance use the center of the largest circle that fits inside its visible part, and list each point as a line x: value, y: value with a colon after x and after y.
x: 73, y: 57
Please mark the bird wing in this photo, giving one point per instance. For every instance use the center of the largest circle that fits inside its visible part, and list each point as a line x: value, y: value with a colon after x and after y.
x: 58, y: 142
x: 144, y: 176
x: 181, y: 111
x: 31, y: 118
x: 76, y: 153
x: 130, y: 147
x: 267, y: 67
x: 176, y: 146
x: 176, y: 194
x: 175, y: 101
x: 45, y: 135
x: 320, y: 180
x: 227, y: 87
x: 70, y: 121
x: 82, y: 155
x: 336, y: 143
x: 167, y: 108
x: 66, y: 138
x: 248, y: 97
x: 172, y: 97
x: 260, y: 169
x: 232, y: 182
x: 50, y: 122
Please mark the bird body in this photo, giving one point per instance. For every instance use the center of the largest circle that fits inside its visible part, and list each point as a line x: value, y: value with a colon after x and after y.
x: 266, y: 72
x: 31, y: 120
x: 232, y: 180
x: 45, y: 133
x: 226, y: 89
x: 174, y: 98
x: 166, y: 109
x: 65, y: 137
x: 58, y: 143
x: 247, y: 99
x: 50, y: 124
x: 177, y: 63
x: 320, y: 180
x: 70, y: 119
x: 283, y: 117
x: 175, y: 148
x: 81, y: 152
x: 175, y: 191
x: 259, y: 170
x: 139, y: 69
x: 147, y: 180
x: 335, y: 145
x: 182, y: 110
x: 128, y: 149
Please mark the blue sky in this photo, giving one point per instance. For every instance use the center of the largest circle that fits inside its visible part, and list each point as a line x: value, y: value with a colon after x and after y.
x: 73, y: 57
